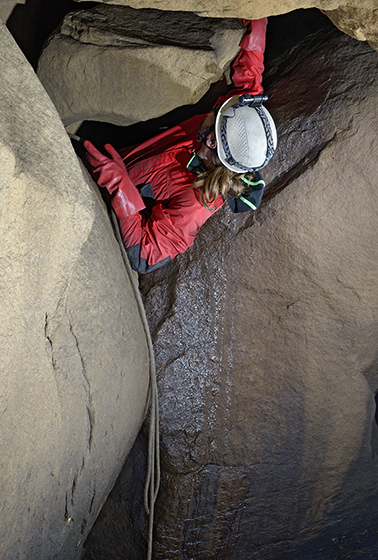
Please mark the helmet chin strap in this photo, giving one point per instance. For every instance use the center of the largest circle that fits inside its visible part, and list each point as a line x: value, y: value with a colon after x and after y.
x: 203, y: 136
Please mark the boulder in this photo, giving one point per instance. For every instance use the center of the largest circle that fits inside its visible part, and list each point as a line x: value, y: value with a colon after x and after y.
x: 7, y: 7
x: 265, y: 336
x: 74, y: 355
x: 358, y: 21
x: 120, y: 65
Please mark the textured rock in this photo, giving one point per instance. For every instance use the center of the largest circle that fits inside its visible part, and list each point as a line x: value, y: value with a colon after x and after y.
x: 74, y: 360
x: 265, y: 333
x: 267, y: 379
x: 356, y: 18
x: 120, y: 65
x: 358, y: 21
x: 7, y: 7
x: 224, y: 8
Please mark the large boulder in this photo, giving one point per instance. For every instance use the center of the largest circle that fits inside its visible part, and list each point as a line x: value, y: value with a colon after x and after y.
x: 265, y: 336
x: 120, y: 65
x: 74, y: 356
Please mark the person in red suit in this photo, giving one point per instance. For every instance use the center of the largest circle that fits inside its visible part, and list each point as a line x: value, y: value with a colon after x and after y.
x: 165, y: 189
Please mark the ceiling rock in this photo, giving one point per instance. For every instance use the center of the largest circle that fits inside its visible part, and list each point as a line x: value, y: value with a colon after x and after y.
x: 121, y: 65
x: 357, y: 18
x: 358, y: 21
x: 265, y: 336
x: 225, y: 8
x: 74, y: 358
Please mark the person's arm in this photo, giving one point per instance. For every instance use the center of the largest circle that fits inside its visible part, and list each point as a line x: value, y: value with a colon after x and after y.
x: 248, y: 66
x: 110, y: 172
x: 170, y: 229
x: 155, y: 240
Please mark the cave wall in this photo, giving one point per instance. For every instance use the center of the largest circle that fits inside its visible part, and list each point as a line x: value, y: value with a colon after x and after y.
x: 7, y: 7
x: 265, y: 336
x: 74, y: 355
x: 265, y: 331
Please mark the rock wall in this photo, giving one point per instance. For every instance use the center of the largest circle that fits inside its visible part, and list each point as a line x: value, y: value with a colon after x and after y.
x: 265, y: 331
x: 266, y: 339
x: 74, y: 357
x: 265, y: 336
x: 358, y: 21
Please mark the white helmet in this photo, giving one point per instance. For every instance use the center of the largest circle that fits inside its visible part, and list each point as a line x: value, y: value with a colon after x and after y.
x: 246, y: 134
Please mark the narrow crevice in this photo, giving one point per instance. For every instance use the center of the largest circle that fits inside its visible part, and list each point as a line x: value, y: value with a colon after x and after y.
x: 49, y: 340
x: 92, y: 502
x: 374, y: 429
x: 376, y: 408
x: 66, y: 508
x: 89, y: 406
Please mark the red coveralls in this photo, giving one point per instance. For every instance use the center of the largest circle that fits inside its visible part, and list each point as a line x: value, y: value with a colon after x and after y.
x: 157, y: 170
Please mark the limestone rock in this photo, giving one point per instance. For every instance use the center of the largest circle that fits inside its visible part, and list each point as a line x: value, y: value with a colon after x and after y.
x: 7, y: 7
x: 74, y: 359
x: 357, y: 18
x: 246, y: 9
x: 359, y: 22
x: 121, y: 65
x: 267, y: 356
x: 265, y: 334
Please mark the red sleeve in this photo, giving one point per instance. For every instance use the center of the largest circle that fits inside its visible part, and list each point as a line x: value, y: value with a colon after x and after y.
x: 248, y: 65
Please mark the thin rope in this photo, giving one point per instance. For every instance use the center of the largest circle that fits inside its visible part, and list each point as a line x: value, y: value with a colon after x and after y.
x: 152, y: 483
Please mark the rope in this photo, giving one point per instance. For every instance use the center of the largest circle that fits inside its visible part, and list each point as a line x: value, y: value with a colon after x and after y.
x: 152, y: 483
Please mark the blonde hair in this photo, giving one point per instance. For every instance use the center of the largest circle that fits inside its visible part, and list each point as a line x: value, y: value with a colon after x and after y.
x: 221, y: 181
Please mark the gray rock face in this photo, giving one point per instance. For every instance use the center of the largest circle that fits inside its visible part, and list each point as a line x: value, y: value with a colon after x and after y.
x: 265, y: 334
x: 74, y: 358
x: 121, y: 65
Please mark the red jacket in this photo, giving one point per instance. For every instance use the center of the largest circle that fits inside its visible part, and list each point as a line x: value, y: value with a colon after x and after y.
x: 158, y: 212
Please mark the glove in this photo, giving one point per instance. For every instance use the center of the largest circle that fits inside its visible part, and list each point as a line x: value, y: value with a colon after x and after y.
x: 110, y: 173
x: 254, y: 38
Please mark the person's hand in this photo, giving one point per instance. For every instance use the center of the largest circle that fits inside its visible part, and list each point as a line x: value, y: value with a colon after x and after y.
x: 110, y: 172
x: 246, y: 22
x: 254, y: 37
x: 106, y: 170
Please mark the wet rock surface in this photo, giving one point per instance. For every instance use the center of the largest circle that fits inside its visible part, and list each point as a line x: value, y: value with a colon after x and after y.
x: 74, y: 358
x: 120, y: 65
x: 265, y: 337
